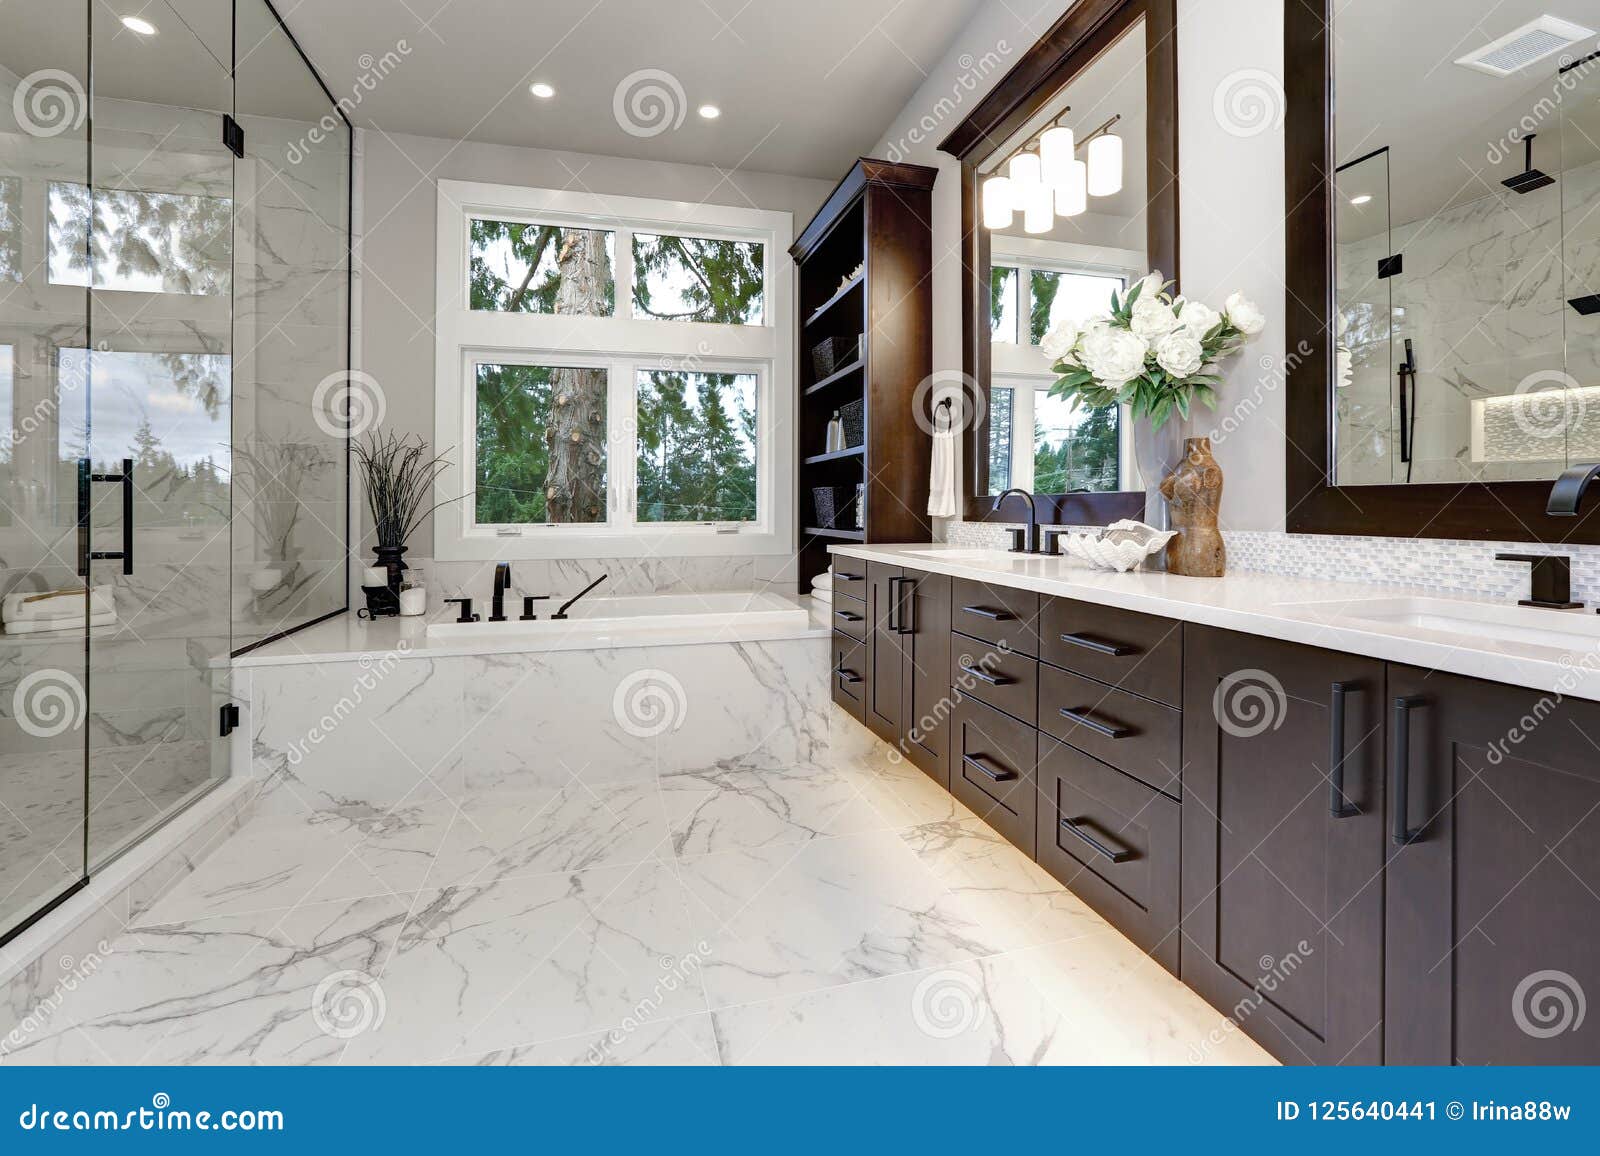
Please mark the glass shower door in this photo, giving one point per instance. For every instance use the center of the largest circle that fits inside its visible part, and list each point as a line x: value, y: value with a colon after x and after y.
x: 157, y: 432
x: 44, y: 133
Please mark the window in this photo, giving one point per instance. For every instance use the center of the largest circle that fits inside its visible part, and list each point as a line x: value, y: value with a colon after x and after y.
x: 1003, y: 304
x: 647, y: 421
x: 1054, y: 295
x: 143, y: 242
x: 1061, y: 448
x: 10, y: 229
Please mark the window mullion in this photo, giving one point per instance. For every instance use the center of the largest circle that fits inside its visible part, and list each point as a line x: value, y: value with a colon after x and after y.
x: 622, y: 278
x: 622, y: 419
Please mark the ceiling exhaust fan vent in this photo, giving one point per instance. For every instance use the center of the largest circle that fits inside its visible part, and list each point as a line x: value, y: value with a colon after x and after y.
x: 1532, y: 42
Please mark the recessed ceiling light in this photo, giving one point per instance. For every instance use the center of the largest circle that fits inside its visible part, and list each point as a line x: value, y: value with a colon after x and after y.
x: 1362, y: 199
x: 542, y: 90
x: 139, y: 24
x: 710, y: 111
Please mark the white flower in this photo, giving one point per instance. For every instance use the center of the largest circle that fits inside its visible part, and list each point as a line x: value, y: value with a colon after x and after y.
x: 1179, y: 353
x: 1114, y: 356
x: 1151, y: 285
x: 1197, y: 318
x: 1152, y: 318
x: 1062, y: 337
x: 1243, y: 314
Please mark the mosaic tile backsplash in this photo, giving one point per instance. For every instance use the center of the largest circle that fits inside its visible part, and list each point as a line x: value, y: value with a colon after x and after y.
x: 1441, y: 564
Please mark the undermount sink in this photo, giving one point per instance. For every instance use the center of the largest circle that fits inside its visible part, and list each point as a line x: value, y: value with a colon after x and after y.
x: 975, y: 554
x: 1565, y: 630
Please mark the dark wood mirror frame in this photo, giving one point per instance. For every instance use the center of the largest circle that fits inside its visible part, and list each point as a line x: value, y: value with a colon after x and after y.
x: 1074, y: 42
x: 1480, y: 511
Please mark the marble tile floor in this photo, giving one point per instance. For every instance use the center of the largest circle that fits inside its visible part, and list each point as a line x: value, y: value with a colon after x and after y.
x: 850, y: 913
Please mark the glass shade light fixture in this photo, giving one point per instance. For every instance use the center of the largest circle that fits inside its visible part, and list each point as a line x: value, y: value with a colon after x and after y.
x: 1038, y: 208
x: 1057, y: 150
x: 1105, y: 164
x: 1072, y: 194
x: 997, y: 204
x: 1024, y: 170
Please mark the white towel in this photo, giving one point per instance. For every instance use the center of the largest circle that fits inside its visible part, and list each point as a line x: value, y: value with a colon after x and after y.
x: 942, y: 476
x: 99, y: 618
x: 823, y: 583
x: 58, y: 606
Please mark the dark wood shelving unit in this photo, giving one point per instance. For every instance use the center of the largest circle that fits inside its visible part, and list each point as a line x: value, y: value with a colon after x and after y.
x: 864, y: 268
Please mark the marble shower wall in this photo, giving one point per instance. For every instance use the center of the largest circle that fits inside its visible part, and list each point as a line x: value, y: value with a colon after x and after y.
x: 392, y: 732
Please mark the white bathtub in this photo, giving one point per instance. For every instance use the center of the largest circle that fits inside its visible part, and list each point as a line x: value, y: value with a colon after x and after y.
x: 645, y: 617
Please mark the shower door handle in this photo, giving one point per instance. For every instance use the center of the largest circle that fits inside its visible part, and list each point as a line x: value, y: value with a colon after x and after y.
x: 85, y: 479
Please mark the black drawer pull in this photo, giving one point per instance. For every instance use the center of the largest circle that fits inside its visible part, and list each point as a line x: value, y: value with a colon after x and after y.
x: 843, y: 577
x: 1114, y: 856
x: 991, y: 615
x: 994, y: 774
x: 1100, y: 646
x: 1085, y: 719
x: 985, y: 676
x: 1403, y: 833
x: 847, y: 615
x: 843, y: 675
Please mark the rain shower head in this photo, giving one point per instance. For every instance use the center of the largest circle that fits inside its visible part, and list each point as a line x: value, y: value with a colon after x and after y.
x: 1529, y: 178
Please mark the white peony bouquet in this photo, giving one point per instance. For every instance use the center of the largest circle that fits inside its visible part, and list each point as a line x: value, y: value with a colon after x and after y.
x: 1154, y: 352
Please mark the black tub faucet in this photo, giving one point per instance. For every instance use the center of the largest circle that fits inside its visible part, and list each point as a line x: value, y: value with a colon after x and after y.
x: 502, y: 583
x: 1567, y: 494
x: 1023, y: 541
x: 562, y: 613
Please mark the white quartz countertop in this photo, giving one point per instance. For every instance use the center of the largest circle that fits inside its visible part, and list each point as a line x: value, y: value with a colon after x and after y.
x: 1559, y: 650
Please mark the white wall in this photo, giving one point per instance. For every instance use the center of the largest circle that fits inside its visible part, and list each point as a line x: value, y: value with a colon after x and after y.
x: 1231, y: 197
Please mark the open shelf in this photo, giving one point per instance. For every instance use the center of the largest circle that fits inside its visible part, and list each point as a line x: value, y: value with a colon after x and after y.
x: 837, y: 455
x: 845, y: 290
x: 842, y: 535
x: 836, y: 376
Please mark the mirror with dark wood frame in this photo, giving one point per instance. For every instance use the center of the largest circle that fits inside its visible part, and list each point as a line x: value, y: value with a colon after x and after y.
x: 1442, y: 267
x: 1106, y: 73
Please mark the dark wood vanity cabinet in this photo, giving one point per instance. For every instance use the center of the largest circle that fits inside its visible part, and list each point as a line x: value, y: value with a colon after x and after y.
x: 908, y: 664
x: 1283, y: 860
x: 1493, y: 878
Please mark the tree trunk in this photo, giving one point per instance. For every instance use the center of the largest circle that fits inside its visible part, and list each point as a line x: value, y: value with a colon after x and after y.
x: 575, y: 487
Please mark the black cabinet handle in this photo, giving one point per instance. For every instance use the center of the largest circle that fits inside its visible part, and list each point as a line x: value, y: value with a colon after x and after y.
x: 991, y: 615
x: 894, y: 604
x: 985, y: 676
x: 844, y: 675
x: 1115, y: 856
x: 900, y: 623
x: 86, y: 555
x: 847, y: 615
x: 1338, y: 805
x: 994, y: 773
x: 1404, y: 834
x: 1100, y: 646
x: 1085, y: 719
x: 842, y: 576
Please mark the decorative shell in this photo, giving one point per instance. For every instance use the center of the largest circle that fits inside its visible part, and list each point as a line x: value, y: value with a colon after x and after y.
x: 1120, y: 546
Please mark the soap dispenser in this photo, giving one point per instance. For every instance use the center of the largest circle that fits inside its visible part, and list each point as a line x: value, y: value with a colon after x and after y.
x: 834, y: 441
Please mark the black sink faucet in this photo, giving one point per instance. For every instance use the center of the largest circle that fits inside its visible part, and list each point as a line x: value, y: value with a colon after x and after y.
x: 1023, y: 541
x: 1567, y: 495
x: 502, y: 583
x: 1552, y: 580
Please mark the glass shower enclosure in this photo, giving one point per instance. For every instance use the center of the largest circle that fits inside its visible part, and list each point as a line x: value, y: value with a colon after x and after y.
x: 174, y: 327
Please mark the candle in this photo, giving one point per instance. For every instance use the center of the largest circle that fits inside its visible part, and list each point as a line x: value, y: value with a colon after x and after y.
x: 374, y: 576
x: 413, y: 601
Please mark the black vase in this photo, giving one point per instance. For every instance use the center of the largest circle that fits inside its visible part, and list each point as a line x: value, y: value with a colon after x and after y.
x: 389, y: 558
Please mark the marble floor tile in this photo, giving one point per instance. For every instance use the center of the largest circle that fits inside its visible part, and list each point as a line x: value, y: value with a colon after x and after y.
x: 688, y: 1041
x: 727, y: 809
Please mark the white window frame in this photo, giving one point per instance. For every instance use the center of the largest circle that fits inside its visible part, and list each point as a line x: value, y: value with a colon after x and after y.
x: 623, y: 345
x: 1018, y: 365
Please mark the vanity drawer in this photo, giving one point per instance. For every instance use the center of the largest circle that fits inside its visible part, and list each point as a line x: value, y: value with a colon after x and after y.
x: 1138, y: 652
x: 850, y: 578
x: 996, y: 614
x: 849, y: 675
x: 1114, y: 843
x: 1133, y: 734
x: 850, y: 616
x: 1001, y: 678
x: 992, y: 769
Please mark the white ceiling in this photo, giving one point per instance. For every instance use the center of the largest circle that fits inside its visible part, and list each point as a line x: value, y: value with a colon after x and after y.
x: 1449, y: 129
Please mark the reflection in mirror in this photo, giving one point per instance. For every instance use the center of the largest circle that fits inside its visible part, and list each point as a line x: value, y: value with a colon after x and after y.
x: 1094, y: 245
x: 1465, y: 241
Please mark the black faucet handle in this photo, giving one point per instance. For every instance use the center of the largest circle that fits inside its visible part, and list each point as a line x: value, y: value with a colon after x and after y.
x: 1019, y: 540
x: 466, y: 609
x: 527, y: 605
x: 1552, y: 580
x: 1052, y: 543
